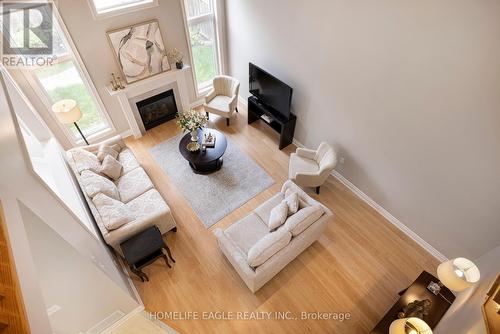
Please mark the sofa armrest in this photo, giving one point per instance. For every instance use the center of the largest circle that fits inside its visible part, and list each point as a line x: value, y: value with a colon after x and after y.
x: 110, y: 141
x: 211, y: 94
x: 303, y: 195
x: 116, y: 237
x: 233, y: 103
x: 235, y: 255
x: 306, y: 153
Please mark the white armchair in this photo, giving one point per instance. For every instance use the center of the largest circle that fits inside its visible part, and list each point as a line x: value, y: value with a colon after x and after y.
x: 222, y: 100
x: 310, y: 168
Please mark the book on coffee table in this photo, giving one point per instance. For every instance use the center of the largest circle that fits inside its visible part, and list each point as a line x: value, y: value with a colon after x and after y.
x: 208, y: 140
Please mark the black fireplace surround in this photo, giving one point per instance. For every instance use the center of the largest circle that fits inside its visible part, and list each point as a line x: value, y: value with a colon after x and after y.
x: 157, y: 109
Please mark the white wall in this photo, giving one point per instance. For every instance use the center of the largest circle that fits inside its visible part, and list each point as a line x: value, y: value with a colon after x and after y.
x: 408, y: 90
x: 85, y: 294
x: 465, y: 315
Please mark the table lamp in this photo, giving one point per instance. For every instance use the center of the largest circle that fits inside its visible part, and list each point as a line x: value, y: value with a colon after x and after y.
x: 409, y: 326
x: 457, y: 275
x: 67, y: 112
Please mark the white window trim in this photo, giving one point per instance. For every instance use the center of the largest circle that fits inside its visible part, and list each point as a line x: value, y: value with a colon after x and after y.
x: 219, y: 28
x: 37, y: 88
x: 119, y: 11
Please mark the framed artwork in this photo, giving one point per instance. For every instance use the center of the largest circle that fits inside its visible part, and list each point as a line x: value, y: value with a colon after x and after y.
x: 139, y: 50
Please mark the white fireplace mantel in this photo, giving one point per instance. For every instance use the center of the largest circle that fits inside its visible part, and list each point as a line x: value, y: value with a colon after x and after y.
x: 127, y: 96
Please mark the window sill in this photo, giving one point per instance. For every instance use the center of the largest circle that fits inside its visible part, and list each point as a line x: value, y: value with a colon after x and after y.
x: 120, y: 11
x: 95, y: 137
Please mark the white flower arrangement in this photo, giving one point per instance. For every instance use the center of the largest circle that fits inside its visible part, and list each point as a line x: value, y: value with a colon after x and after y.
x: 191, y: 120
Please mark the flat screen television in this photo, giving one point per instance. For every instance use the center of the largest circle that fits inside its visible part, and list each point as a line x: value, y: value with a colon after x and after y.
x: 270, y: 90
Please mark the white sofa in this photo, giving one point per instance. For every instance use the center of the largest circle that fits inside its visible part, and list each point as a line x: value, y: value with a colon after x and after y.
x: 135, y: 190
x: 238, y: 239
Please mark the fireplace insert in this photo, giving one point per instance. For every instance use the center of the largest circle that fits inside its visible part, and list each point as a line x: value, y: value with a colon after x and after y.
x: 157, y: 109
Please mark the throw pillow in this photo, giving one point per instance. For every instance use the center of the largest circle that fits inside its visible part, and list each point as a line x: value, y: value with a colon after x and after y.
x: 85, y: 160
x: 93, y: 184
x: 266, y: 247
x: 304, y: 218
x: 105, y: 150
x: 278, y: 216
x: 302, y: 204
x: 292, y: 200
x: 113, y: 213
x: 111, y: 167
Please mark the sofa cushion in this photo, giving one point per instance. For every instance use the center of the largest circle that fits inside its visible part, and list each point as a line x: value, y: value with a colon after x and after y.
x: 104, y: 150
x: 299, y: 164
x: 264, y: 210
x: 269, y: 245
x: 246, y: 232
x: 113, y: 213
x: 111, y: 167
x: 304, y: 218
x: 85, y: 160
x: 220, y: 103
x: 302, y: 203
x: 148, y: 204
x: 133, y: 184
x: 292, y: 202
x: 278, y: 215
x: 93, y: 184
x: 128, y: 160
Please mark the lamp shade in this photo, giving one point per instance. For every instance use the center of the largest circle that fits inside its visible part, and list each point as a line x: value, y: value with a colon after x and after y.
x: 409, y: 326
x: 458, y: 274
x: 67, y: 111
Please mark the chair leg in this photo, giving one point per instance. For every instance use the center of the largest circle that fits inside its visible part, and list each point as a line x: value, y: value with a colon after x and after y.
x: 236, y: 109
x: 208, y: 116
x: 317, y: 190
x: 227, y: 121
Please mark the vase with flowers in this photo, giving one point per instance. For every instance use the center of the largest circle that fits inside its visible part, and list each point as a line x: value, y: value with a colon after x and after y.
x: 176, y: 56
x: 191, y: 121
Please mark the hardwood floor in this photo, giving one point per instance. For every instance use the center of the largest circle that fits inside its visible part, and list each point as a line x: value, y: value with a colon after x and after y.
x: 357, y: 266
x: 13, y: 318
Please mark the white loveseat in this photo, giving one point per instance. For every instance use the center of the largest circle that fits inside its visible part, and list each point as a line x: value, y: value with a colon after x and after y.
x: 134, y: 189
x: 237, y: 240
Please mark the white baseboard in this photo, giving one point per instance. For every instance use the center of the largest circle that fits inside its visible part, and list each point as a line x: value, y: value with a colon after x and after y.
x: 384, y: 213
x: 243, y: 101
x: 393, y: 220
x: 123, y: 319
x: 197, y: 103
x: 126, y: 133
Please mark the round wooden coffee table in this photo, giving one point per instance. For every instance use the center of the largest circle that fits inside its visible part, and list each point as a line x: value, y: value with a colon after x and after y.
x: 207, y: 160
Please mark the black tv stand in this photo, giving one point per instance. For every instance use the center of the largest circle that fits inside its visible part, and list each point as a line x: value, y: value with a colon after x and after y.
x: 285, y: 127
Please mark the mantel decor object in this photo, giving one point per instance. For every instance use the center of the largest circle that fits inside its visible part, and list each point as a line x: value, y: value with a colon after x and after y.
x: 176, y: 56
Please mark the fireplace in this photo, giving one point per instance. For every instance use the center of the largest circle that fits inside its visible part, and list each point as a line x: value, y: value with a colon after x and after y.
x: 157, y: 109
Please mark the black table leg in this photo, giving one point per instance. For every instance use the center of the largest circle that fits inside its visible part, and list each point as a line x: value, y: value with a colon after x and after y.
x: 169, y: 253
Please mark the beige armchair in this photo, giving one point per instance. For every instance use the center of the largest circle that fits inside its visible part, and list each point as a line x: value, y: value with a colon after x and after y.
x: 222, y: 100
x: 310, y: 168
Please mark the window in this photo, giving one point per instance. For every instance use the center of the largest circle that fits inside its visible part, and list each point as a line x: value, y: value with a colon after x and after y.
x: 202, y: 28
x: 106, y: 8
x: 65, y: 79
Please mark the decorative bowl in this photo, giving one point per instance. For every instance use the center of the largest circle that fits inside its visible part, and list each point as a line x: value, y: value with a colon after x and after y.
x: 193, y: 146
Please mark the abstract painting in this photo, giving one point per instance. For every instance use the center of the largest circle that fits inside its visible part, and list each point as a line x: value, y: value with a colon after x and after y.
x: 139, y: 50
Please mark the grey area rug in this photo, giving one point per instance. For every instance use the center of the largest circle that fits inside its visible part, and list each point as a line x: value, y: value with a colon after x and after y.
x: 215, y: 195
